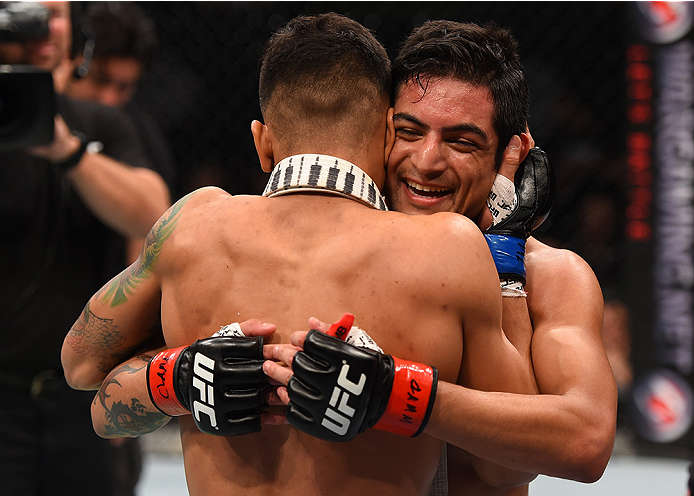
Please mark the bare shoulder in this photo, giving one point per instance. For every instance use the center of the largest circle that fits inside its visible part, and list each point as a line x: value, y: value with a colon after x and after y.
x: 207, y: 203
x: 453, y: 248
x: 449, y: 227
x: 442, y: 234
x: 202, y: 198
x: 184, y: 220
x: 544, y: 262
x: 561, y: 286
x: 449, y: 240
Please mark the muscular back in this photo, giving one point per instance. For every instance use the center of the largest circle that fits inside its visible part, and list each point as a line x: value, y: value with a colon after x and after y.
x: 412, y: 281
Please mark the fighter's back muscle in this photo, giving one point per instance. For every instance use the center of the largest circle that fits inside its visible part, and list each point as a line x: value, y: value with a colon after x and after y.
x: 285, y: 259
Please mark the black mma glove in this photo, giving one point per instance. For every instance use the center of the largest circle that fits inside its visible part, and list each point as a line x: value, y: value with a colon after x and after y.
x: 339, y: 390
x: 219, y: 379
x: 534, y: 183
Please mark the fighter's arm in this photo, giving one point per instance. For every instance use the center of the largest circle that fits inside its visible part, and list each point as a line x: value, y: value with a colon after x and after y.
x: 490, y: 364
x: 568, y: 430
x: 570, y: 363
x: 123, y: 406
x: 306, y: 412
x: 116, y: 321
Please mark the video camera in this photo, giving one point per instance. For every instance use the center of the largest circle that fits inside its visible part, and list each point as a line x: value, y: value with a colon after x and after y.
x: 27, y: 97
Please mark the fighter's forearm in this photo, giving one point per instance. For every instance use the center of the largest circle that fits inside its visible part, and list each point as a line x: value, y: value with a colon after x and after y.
x: 547, y: 434
x: 122, y: 406
x: 518, y: 329
x: 94, y: 346
x: 509, y: 373
x: 85, y: 357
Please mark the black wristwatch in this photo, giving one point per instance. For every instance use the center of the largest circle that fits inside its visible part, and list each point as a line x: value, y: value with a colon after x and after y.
x: 71, y: 162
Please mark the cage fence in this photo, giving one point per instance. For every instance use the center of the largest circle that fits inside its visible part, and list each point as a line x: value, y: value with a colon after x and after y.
x: 202, y: 89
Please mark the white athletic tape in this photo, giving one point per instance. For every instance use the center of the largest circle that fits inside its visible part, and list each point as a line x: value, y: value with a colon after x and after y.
x: 502, y: 198
x: 512, y: 289
x: 356, y: 337
x: 231, y: 330
x: 323, y: 173
x: 359, y: 338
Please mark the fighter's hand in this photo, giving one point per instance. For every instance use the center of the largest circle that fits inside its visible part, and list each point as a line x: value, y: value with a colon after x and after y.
x: 284, y: 353
x: 247, y: 328
x: 280, y: 374
x: 534, y: 192
x: 218, y: 379
x: 338, y: 390
x: 502, y: 195
x: 520, y: 208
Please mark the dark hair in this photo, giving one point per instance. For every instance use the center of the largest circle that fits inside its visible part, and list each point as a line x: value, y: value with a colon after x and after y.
x: 480, y: 55
x: 323, y: 68
x: 120, y: 29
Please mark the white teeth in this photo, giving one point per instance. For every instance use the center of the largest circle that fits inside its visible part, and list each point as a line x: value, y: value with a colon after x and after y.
x: 422, y: 188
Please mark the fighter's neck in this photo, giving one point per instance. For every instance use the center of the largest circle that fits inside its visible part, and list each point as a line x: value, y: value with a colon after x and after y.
x: 326, y: 174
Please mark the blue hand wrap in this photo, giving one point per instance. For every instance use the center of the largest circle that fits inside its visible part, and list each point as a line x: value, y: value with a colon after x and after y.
x: 509, y: 255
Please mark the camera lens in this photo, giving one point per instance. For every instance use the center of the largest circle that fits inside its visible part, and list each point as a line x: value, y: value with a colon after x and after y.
x: 15, y: 112
x: 27, y: 107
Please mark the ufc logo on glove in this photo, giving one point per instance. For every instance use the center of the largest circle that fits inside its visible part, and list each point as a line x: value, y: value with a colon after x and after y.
x: 391, y: 394
x: 333, y: 420
x: 219, y: 379
x: 203, y: 381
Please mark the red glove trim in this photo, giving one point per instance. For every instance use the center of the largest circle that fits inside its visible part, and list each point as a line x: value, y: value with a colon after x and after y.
x: 411, y: 398
x: 160, y: 382
x: 341, y: 328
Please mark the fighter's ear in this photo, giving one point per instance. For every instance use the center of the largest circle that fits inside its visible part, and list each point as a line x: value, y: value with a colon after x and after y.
x: 263, y: 145
x: 390, y: 135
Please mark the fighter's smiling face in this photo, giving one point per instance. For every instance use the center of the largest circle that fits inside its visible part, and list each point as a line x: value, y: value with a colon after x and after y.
x: 443, y: 158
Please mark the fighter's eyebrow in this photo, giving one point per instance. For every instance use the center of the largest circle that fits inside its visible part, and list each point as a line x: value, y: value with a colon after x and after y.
x: 465, y: 127
x: 403, y: 116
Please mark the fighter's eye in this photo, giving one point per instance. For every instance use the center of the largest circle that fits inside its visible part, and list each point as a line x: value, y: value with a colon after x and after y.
x: 462, y: 145
x: 408, y: 134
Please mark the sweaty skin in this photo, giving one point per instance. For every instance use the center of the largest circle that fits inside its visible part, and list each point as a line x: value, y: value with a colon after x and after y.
x: 443, y: 156
x: 442, y: 161
x: 203, y: 260
x: 572, y: 427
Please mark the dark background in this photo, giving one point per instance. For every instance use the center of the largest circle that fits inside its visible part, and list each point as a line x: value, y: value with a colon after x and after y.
x: 202, y: 88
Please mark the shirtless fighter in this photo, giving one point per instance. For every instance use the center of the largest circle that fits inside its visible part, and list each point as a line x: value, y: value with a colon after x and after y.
x: 460, y: 94
x: 318, y: 243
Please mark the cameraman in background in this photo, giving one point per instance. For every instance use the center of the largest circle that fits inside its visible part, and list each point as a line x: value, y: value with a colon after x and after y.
x: 66, y: 208
x: 124, y: 40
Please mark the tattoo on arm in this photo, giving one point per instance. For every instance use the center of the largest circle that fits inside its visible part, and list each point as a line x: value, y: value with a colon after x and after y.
x: 133, y: 419
x: 95, y: 336
x: 117, y: 291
